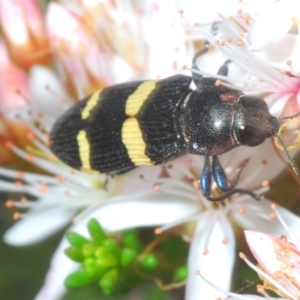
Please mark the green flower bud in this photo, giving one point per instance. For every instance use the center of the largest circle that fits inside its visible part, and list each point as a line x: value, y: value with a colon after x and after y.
x: 131, y: 239
x: 149, y: 262
x: 106, y: 261
x: 96, y: 231
x: 109, y: 279
x: 78, y: 279
x: 74, y: 254
x: 107, y: 292
x: 76, y: 239
x: 181, y: 273
x: 89, y: 262
x: 127, y: 257
x: 100, y: 251
x: 89, y: 249
x: 111, y: 246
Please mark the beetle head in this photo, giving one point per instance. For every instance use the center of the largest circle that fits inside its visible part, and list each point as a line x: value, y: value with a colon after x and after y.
x: 253, y: 122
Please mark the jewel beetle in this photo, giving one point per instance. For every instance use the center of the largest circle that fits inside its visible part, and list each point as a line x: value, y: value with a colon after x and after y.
x: 151, y: 122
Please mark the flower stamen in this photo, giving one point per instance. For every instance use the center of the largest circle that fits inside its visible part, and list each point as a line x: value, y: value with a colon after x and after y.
x: 266, y: 276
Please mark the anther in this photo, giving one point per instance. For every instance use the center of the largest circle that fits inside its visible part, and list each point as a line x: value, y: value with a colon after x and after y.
x: 156, y: 188
x: 205, y: 252
x: 265, y: 183
x: 181, y: 11
x: 241, y: 210
x: 272, y: 216
x: 16, y: 216
x: 225, y: 241
x: 260, y: 290
x: 157, y: 231
x: 23, y: 200
x: 30, y: 135
x: 273, y: 206
x: 8, y: 144
x: 288, y: 62
x: 9, y: 203
x: 20, y: 174
x: 30, y: 157
x: 218, y: 82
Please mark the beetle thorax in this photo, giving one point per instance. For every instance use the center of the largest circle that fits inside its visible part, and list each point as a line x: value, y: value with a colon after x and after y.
x: 207, y: 123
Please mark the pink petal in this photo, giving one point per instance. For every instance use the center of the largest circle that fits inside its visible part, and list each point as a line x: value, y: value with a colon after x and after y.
x: 262, y: 247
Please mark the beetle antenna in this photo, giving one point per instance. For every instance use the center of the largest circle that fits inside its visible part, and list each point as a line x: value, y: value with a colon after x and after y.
x: 289, y: 117
x: 196, y: 76
x: 289, y: 158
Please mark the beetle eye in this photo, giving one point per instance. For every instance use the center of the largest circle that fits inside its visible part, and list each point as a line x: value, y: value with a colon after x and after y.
x: 253, y: 102
x: 250, y: 135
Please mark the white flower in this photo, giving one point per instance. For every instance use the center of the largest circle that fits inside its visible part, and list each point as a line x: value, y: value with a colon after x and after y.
x: 273, y: 23
x: 65, y: 192
x: 179, y: 201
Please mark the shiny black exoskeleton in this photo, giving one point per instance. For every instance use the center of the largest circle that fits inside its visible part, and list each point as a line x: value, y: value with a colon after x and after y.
x: 216, y: 119
x: 153, y: 122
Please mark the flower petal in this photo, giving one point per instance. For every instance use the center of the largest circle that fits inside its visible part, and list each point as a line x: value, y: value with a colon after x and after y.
x: 285, y: 49
x: 220, y: 255
x: 262, y: 248
x: 38, y: 226
x: 60, y: 268
x: 142, y: 209
x: 255, y: 215
x: 47, y: 91
x: 271, y: 25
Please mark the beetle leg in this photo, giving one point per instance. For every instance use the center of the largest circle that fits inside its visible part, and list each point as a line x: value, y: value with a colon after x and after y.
x: 220, y: 175
x: 206, y: 178
x: 233, y: 191
x: 221, y: 181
